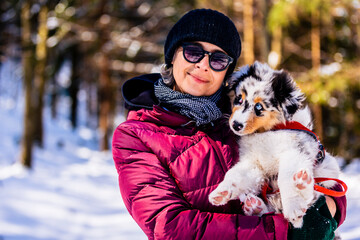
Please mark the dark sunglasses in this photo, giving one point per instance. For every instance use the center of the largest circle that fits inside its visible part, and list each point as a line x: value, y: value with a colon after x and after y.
x: 218, y: 61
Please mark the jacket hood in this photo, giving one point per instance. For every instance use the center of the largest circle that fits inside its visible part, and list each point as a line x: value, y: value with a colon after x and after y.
x: 138, y: 92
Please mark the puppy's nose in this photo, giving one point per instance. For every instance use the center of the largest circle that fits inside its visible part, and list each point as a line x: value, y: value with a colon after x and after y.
x: 237, y: 126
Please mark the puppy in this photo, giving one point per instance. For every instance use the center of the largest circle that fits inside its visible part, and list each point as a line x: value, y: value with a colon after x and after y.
x: 287, y: 160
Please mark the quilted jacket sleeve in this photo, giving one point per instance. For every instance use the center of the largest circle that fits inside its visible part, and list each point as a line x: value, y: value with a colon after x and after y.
x: 157, y: 205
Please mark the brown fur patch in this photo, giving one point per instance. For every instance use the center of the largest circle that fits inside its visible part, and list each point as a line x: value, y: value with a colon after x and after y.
x: 263, y: 123
x: 257, y: 99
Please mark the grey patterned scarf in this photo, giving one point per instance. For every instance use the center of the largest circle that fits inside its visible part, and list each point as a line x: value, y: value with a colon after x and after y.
x: 202, y: 110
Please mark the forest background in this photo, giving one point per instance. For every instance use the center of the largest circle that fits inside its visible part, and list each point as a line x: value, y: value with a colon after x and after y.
x: 105, y: 42
x: 68, y: 59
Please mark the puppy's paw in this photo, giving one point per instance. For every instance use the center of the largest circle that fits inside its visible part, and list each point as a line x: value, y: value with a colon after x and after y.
x: 219, y: 198
x: 254, y: 205
x: 295, y: 217
x: 221, y: 195
x: 303, y: 179
x: 294, y: 209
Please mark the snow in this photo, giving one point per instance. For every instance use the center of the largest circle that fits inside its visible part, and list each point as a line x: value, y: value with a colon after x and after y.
x: 72, y: 191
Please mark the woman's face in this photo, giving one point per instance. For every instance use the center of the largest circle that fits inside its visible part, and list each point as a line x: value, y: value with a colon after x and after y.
x: 197, y: 79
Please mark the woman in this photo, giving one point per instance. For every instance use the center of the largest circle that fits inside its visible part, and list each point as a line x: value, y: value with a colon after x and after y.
x: 176, y: 146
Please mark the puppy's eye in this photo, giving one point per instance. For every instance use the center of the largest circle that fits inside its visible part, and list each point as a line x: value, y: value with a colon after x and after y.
x: 258, y: 109
x: 238, y: 100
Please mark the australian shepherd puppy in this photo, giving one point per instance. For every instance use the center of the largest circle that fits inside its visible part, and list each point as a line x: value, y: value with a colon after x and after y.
x: 287, y: 160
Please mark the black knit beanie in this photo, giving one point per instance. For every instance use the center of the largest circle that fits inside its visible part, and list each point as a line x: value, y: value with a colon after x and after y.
x: 204, y: 25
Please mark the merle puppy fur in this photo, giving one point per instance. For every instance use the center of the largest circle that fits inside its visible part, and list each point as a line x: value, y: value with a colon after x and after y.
x: 284, y: 159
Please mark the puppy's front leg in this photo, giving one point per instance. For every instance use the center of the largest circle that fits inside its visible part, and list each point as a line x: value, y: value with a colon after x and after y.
x: 296, y: 187
x: 239, y: 180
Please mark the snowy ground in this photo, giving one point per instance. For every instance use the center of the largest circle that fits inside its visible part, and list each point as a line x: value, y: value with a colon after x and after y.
x: 72, y: 191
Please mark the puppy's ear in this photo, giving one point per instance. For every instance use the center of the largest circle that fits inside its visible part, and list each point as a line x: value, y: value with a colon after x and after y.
x: 236, y: 77
x: 261, y: 69
x: 287, y: 93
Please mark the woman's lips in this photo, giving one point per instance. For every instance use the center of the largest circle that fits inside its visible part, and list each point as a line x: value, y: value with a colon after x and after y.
x: 198, y: 79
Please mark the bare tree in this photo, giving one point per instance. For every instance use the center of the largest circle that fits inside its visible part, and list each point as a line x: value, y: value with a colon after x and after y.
x: 248, y: 32
x: 27, y: 58
x: 40, y: 76
x: 315, y: 58
x: 261, y: 21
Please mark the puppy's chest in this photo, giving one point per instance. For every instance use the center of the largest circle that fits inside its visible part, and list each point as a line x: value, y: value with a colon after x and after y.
x: 266, y: 150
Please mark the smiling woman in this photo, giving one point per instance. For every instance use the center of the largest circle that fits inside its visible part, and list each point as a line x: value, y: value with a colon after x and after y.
x: 176, y: 145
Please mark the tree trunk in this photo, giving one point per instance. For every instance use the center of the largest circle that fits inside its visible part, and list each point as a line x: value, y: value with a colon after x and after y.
x: 263, y: 39
x: 75, y: 84
x: 54, y: 98
x: 315, y: 40
x: 58, y: 59
x: 105, y: 105
x: 275, y: 55
x: 248, y: 32
x: 315, y: 56
x: 91, y: 88
x: 27, y: 58
x: 40, y: 78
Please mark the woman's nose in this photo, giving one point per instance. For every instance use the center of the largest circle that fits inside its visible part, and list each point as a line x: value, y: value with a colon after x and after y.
x: 204, y: 63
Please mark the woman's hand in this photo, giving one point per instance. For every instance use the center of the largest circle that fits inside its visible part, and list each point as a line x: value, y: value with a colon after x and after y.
x: 331, y: 205
x: 319, y: 223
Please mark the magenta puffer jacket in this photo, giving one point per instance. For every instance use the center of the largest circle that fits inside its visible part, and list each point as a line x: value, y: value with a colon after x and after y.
x: 166, y: 173
x: 168, y: 167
